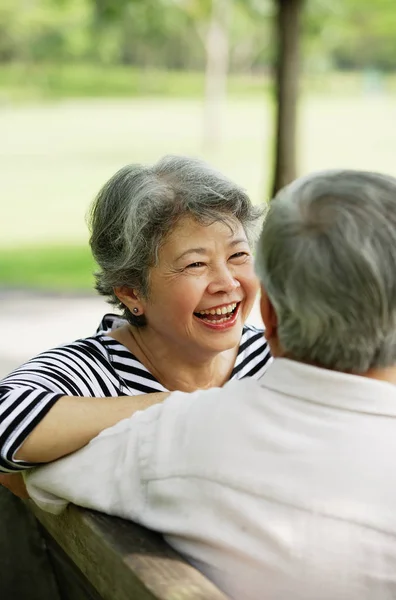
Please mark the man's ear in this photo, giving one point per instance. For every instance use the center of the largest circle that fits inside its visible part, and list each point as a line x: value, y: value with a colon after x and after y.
x: 129, y: 298
x: 268, y: 315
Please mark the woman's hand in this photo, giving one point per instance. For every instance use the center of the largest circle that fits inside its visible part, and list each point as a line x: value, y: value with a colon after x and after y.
x: 14, y: 482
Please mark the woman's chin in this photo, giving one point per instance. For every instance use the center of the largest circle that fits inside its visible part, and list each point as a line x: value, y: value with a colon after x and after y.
x: 223, y: 336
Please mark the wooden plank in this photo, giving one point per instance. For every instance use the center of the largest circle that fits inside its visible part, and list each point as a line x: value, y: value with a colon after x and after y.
x: 72, y: 584
x: 124, y: 561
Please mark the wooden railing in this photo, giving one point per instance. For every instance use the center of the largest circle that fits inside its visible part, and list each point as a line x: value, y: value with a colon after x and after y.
x: 95, y: 557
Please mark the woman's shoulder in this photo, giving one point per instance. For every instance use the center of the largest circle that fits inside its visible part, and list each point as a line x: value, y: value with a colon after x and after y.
x: 109, y: 323
x: 252, y: 335
x: 86, y: 358
x: 253, y: 354
x: 249, y: 328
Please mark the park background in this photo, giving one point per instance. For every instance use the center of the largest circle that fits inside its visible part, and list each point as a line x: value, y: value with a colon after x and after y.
x: 87, y: 86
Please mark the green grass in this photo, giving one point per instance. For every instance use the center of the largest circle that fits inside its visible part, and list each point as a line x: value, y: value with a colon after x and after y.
x: 49, y: 268
x: 19, y: 82
x: 46, y: 81
x: 55, y: 155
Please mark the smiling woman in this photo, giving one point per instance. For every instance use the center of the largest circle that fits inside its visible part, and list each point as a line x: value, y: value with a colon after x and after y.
x: 172, y: 242
x: 195, y: 311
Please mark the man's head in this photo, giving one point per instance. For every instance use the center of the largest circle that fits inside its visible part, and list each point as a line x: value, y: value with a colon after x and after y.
x: 326, y: 259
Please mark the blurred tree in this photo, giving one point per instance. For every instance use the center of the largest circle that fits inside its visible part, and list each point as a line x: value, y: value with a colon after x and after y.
x: 212, y: 35
x: 148, y: 34
x: 366, y: 35
x: 347, y: 34
x: 220, y: 33
x: 38, y: 30
x: 252, y: 48
x: 216, y: 42
x: 287, y: 70
x: 211, y: 20
x: 159, y: 33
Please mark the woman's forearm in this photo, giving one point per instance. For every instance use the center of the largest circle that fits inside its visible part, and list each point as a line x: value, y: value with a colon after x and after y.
x: 74, y: 421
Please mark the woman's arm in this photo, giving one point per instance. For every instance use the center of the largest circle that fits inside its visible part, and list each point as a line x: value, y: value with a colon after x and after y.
x: 59, y: 400
x: 15, y: 484
x: 69, y: 425
x: 74, y: 421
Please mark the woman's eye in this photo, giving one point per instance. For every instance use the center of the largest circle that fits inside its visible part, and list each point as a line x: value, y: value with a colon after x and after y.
x: 240, y: 255
x: 195, y: 265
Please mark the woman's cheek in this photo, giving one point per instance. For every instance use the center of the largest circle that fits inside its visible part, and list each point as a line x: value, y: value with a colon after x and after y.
x: 250, y: 278
x: 189, y: 294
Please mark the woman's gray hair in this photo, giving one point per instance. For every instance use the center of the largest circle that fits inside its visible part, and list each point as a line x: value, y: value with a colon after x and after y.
x: 327, y: 260
x: 140, y: 205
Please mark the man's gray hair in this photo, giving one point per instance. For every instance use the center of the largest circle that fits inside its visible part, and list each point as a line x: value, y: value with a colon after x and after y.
x: 327, y: 260
x: 139, y: 207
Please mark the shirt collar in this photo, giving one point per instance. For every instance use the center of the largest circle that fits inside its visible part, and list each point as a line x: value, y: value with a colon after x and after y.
x: 331, y: 388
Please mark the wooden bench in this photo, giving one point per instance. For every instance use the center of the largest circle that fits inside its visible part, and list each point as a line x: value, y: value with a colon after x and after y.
x: 95, y: 557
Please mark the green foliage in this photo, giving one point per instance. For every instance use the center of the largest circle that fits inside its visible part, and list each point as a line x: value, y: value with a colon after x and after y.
x: 33, y: 31
x: 369, y: 40
x: 351, y: 34
x: 48, y: 268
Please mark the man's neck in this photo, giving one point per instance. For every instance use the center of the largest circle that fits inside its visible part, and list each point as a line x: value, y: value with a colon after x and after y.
x: 387, y: 374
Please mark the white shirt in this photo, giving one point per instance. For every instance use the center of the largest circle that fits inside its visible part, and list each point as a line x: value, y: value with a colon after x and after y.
x: 278, y: 489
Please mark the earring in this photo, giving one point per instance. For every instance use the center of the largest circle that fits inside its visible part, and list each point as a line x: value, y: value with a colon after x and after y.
x: 135, y: 310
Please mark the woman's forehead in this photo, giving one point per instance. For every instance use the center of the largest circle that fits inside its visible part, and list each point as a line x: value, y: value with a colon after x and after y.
x: 189, y: 233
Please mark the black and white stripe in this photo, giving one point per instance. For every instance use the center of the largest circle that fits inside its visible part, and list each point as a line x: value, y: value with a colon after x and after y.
x: 98, y: 366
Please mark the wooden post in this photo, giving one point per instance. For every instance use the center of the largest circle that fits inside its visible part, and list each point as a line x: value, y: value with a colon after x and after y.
x: 287, y: 79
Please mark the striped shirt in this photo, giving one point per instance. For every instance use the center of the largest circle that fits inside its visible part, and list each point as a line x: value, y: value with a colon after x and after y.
x: 96, y: 366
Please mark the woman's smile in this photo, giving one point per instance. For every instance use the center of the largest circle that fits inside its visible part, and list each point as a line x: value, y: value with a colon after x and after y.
x: 219, y: 317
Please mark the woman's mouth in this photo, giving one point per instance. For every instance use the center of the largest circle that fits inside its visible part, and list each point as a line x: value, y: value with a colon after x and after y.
x: 219, y: 317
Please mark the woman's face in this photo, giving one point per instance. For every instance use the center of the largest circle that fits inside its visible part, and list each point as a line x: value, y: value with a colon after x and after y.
x: 203, y: 287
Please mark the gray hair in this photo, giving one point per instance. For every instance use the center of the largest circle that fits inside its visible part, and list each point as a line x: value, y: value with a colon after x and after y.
x: 327, y: 260
x: 140, y: 205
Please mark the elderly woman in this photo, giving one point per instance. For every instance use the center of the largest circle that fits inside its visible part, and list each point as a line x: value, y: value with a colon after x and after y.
x: 172, y: 242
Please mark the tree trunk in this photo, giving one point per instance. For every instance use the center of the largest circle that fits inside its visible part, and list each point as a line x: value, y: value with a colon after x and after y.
x: 287, y: 79
x: 217, y: 51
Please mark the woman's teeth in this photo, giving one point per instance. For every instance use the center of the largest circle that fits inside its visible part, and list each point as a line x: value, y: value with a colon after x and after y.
x: 219, y: 311
x: 218, y: 315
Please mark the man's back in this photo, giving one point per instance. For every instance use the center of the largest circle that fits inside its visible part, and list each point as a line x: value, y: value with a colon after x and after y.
x: 300, y: 495
x: 277, y: 489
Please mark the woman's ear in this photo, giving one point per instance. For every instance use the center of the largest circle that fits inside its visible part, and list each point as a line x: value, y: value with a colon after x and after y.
x: 129, y: 298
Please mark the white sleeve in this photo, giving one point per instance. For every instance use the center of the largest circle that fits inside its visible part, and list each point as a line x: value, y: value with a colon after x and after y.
x: 91, y: 476
x: 112, y: 472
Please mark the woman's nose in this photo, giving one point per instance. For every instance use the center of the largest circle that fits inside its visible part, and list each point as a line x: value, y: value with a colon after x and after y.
x: 223, y: 281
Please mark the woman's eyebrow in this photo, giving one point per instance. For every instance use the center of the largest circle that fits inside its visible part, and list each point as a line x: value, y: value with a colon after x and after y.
x: 238, y: 241
x: 192, y: 251
x: 203, y: 251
